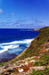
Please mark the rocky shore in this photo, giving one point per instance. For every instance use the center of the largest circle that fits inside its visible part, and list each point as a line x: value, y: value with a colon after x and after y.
x: 22, y: 67
x: 32, y: 61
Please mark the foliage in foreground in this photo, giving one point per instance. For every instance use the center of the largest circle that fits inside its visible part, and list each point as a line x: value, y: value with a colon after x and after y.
x: 40, y: 72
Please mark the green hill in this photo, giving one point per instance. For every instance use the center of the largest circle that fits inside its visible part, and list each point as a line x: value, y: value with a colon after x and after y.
x: 36, y: 47
x: 37, y: 44
x: 34, y: 57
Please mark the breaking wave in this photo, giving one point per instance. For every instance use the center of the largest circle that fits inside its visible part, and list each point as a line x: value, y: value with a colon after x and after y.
x: 14, y: 46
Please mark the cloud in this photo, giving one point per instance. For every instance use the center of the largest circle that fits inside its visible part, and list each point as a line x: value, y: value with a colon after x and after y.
x: 39, y: 21
x: 1, y: 11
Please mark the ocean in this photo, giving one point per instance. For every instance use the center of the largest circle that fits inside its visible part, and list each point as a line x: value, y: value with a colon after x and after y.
x: 14, y: 41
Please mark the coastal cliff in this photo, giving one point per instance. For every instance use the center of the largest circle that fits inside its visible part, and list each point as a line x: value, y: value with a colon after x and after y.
x: 37, y: 44
x: 32, y: 61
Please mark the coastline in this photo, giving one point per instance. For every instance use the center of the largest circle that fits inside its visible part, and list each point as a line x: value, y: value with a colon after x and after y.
x: 13, y: 56
x: 17, y: 57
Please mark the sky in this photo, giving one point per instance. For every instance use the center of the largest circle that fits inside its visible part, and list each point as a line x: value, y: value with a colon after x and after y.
x: 24, y: 13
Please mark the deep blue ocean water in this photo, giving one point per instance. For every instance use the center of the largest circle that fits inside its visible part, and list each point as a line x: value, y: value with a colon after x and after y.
x: 14, y: 41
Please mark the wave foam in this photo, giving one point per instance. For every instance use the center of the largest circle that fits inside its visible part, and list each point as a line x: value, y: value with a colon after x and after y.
x: 12, y: 45
x: 5, y: 48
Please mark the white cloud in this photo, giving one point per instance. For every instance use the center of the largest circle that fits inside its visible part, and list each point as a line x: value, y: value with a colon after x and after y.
x: 1, y: 11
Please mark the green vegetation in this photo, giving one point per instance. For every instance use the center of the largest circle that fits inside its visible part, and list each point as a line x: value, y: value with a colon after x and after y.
x: 45, y: 59
x: 14, y: 70
x: 38, y: 48
x: 3, y: 63
x: 34, y: 49
x: 39, y: 72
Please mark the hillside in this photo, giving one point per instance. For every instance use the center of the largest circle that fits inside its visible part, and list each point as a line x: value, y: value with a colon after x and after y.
x: 32, y: 61
x: 37, y: 44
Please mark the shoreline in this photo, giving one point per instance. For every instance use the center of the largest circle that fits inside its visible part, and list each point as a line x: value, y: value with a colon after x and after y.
x: 22, y: 52
x: 13, y: 55
x: 14, y: 44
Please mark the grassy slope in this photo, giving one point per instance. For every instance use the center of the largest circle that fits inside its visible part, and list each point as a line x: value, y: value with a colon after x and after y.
x: 34, y: 49
x: 35, y: 46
